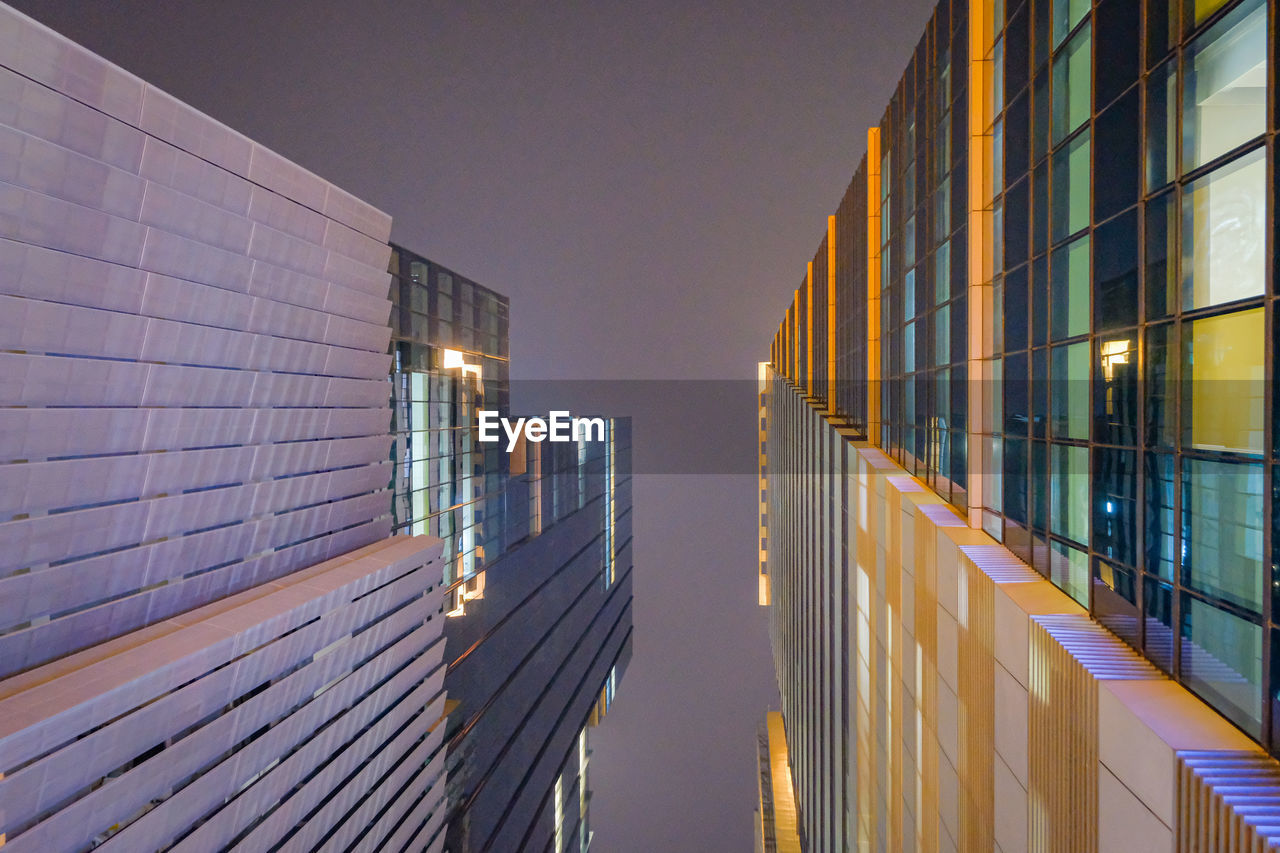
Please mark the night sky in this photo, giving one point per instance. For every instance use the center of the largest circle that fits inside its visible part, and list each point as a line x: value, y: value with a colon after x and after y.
x: 646, y: 181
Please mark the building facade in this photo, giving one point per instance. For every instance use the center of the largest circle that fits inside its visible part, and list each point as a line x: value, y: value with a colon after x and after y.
x: 208, y: 636
x: 537, y: 568
x: 1017, y: 466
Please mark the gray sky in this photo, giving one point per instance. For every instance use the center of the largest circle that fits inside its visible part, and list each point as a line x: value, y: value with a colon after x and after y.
x: 646, y: 181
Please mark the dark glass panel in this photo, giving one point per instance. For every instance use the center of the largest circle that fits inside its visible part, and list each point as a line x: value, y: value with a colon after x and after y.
x: 1115, y: 505
x: 1015, y: 478
x: 1161, y: 126
x: 1042, y: 10
x: 1017, y: 63
x: 1115, y: 600
x: 1161, y: 375
x: 1015, y: 225
x: 1016, y: 309
x: 1157, y: 606
x: 1160, y: 271
x: 959, y: 397
x: 959, y: 331
x: 1039, y: 392
x: 1041, y: 109
x: 1159, y: 536
x: 1116, y: 157
x: 1115, y: 272
x: 1040, y: 300
x: 1017, y: 128
x: 1116, y: 30
x: 1162, y: 29
x: 1040, y: 208
x: 1016, y: 400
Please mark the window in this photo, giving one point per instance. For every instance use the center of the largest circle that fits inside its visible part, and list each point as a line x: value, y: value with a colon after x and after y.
x: 1224, y: 378
x: 1069, y: 286
x: 1224, y: 234
x: 1071, y: 188
x: 1224, y: 97
x: 1072, y: 89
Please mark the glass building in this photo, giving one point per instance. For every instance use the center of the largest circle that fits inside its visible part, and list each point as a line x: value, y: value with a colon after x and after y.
x: 1049, y: 332
x: 537, y: 575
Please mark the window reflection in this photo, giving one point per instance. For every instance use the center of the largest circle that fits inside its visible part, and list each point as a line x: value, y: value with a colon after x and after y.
x: 1222, y: 525
x: 1222, y: 659
x: 1224, y: 367
x: 1224, y: 95
x: 1224, y: 233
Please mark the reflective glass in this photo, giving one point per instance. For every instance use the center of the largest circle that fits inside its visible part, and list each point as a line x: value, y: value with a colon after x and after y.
x: 1072, y: 92
x: 1115, y: 412
x: 1069, y: 399
x: 1066, y: 14
x: 1071, y: 175
x: 1224, y: 233
x: 1222, y: 661
x: 1069, y: 571
x: 1160, y: 246
x: 1069, y: 492
x: 1224, y: 97
x: 1162, y: 125
x: 1069, y: 285
x: 1115, y: 505
x: 1224, y: 375
x: 1222, y: 524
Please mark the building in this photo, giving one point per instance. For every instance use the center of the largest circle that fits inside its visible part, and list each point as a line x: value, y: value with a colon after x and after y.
x: 1017, y: 493
x: 245, y: 508
x: 208, y: 635
x: 537, y: 572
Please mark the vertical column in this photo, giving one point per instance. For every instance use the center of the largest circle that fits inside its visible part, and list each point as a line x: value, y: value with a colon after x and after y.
x: 873, y: 285
x: 981, y: 14
x: 808, y: 337
x: 831, y: 315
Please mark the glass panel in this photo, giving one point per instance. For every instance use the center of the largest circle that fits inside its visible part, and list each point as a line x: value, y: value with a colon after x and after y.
x: 1115, y: 598
x: 1066, y: 14
x: 1069, y: 492
x: 1223, y: 529
x: 1159, y: 533
x: 1162, y: 387
x: 1222, y: 661
x: 1224, y: 96
x: 942, y: 333
x: 1115, y: 272
x: 1069, y: 571
x: 1071, y: 188
x: 1162, y: 125
x: 1157, y: 603
x: 1015, y: 478
x: 1116, y: 395
x: 1015, y: 309
x: 942, y: 274
x: 1069, y: 284
x: 1069, y: 399
x: 1224, y: 234
x: 1224, y: 376
x: 1115, y: 505
x: 1160, y: 245
x: 1072, y: 91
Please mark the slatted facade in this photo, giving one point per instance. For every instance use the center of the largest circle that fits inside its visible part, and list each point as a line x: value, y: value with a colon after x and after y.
x: 207, y: 638
x: 193, y: 345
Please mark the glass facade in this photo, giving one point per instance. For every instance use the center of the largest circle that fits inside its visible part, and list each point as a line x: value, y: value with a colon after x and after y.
x: 449, y: 359
x: 1131, y: 332
x: 923, y: 261
x: 1103, y: 222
